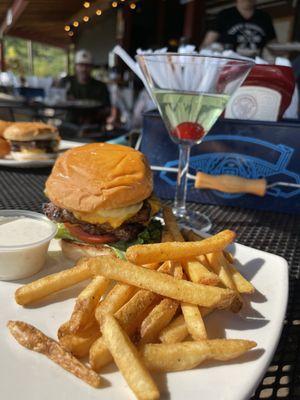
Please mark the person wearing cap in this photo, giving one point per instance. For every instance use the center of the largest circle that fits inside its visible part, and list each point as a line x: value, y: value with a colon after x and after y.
x: 82, y: 86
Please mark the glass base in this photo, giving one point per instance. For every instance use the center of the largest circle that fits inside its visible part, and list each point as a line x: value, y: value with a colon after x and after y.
x: 193, y: 219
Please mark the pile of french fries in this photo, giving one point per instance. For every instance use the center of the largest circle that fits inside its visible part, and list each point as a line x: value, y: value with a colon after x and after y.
x: 146, y: 313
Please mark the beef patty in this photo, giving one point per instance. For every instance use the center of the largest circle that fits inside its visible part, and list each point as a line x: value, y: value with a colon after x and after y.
x: 127, y: 231
x: 48, y: 146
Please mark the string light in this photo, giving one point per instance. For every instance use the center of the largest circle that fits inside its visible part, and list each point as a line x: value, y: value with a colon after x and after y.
x: 76, y: 24
x: 98, y: 12
x: 114, y: 4
x: 67, y: 28
x: 132, y: 6
x: 71, y: 33
x: 86, y: 18
x: 86, y: 4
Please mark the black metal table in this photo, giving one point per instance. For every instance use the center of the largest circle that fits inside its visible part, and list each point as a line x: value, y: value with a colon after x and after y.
x: 275, y: 233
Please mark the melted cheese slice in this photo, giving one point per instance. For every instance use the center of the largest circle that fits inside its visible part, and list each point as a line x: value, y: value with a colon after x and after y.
x: 29, y: 151
x: 115, y: 217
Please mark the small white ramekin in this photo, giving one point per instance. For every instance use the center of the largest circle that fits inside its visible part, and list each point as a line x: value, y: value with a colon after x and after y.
x: 22, y: 261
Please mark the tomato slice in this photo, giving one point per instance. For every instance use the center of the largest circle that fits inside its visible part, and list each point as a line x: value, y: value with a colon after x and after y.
x: 80, y: 234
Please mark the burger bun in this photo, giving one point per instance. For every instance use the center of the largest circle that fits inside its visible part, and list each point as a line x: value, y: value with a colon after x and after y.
x: 99, y: 176
x: 4, y: 125
x: 4, y: 148
x: 74, y: 250
x: 27, y: 131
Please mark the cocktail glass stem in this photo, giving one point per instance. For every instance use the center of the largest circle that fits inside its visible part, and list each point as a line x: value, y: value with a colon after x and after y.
x: 181, y: 187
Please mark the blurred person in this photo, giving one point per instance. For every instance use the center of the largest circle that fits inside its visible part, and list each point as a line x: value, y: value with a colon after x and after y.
x: 143, y: 104
x: 242, y: 27
x: 82, y: 86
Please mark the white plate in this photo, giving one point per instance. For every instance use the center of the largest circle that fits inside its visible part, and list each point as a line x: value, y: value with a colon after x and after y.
x: 63, y: 145
x: 31, y: 376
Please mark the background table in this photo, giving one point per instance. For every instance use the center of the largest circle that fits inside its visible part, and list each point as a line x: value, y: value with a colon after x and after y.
x: 275, y: 233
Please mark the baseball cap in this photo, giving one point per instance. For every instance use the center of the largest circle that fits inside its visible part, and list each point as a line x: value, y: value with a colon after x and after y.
x: 83, y: 57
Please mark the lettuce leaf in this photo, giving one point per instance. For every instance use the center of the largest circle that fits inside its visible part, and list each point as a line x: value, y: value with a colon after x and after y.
x: 63, y: 233
x: 151, y: 234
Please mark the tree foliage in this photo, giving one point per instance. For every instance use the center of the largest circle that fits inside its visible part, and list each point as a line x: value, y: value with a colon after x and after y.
x: 47, y: 60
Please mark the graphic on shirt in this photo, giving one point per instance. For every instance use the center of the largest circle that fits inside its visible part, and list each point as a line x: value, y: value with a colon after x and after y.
x: 247, y: 35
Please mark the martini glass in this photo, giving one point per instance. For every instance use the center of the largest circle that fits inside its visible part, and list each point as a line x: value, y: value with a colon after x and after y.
x: 191, y: 91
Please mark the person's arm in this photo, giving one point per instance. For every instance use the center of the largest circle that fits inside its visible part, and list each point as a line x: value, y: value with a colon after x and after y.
x: 210, y: 37
x: 215, y: 31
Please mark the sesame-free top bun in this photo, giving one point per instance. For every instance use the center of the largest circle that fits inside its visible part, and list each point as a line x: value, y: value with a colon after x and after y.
x: 3, y: 126
x: 99, y: 176
x: 25, y: 131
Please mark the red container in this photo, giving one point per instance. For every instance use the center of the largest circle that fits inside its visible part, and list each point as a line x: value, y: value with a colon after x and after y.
x: 276, y: 77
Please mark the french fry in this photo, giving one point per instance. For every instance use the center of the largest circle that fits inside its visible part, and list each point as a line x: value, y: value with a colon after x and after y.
x: 203, y: 260
x: 175, y: 332
x: 190, y: 236
x: 241, y: 283
x: 162, y: 284
x: 86, y: 303
x: 166, y: 236
x: 33, y: 339
x: 229, y: 257
x: 159, y: 252
x: 63, y: 330
x: 191, y: 313
x: 171, y: 224
x: 128, y: 360
x: 43, y: 287
x: 80, y: 343
x: 129, y: 316
x: 99, y: 355
x: 194, y: 321
x: 188, y: 355
x: 198, y: 273
x: 114, y: 300
x: 178, y: 271
x: 118, y: 296
x: 158, y: 318
x: 219, y: 265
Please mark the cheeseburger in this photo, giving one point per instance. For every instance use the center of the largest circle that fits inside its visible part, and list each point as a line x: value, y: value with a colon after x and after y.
x: 4, y: 145
x: 101, y: 199
x: 32, y: 140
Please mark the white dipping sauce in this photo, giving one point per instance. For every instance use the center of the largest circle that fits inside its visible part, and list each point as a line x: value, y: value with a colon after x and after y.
x: 24, y: 242
x: 23, y: 231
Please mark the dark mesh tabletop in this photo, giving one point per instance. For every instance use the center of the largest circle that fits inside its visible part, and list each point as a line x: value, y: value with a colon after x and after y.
x: 275, y: 233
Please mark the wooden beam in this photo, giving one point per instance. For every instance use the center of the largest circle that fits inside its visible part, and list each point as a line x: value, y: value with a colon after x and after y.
x: 194, y: 21
x: 39, y: 37
x: 2, y: 59
x: 161, y: 16
x: 12, y: 15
